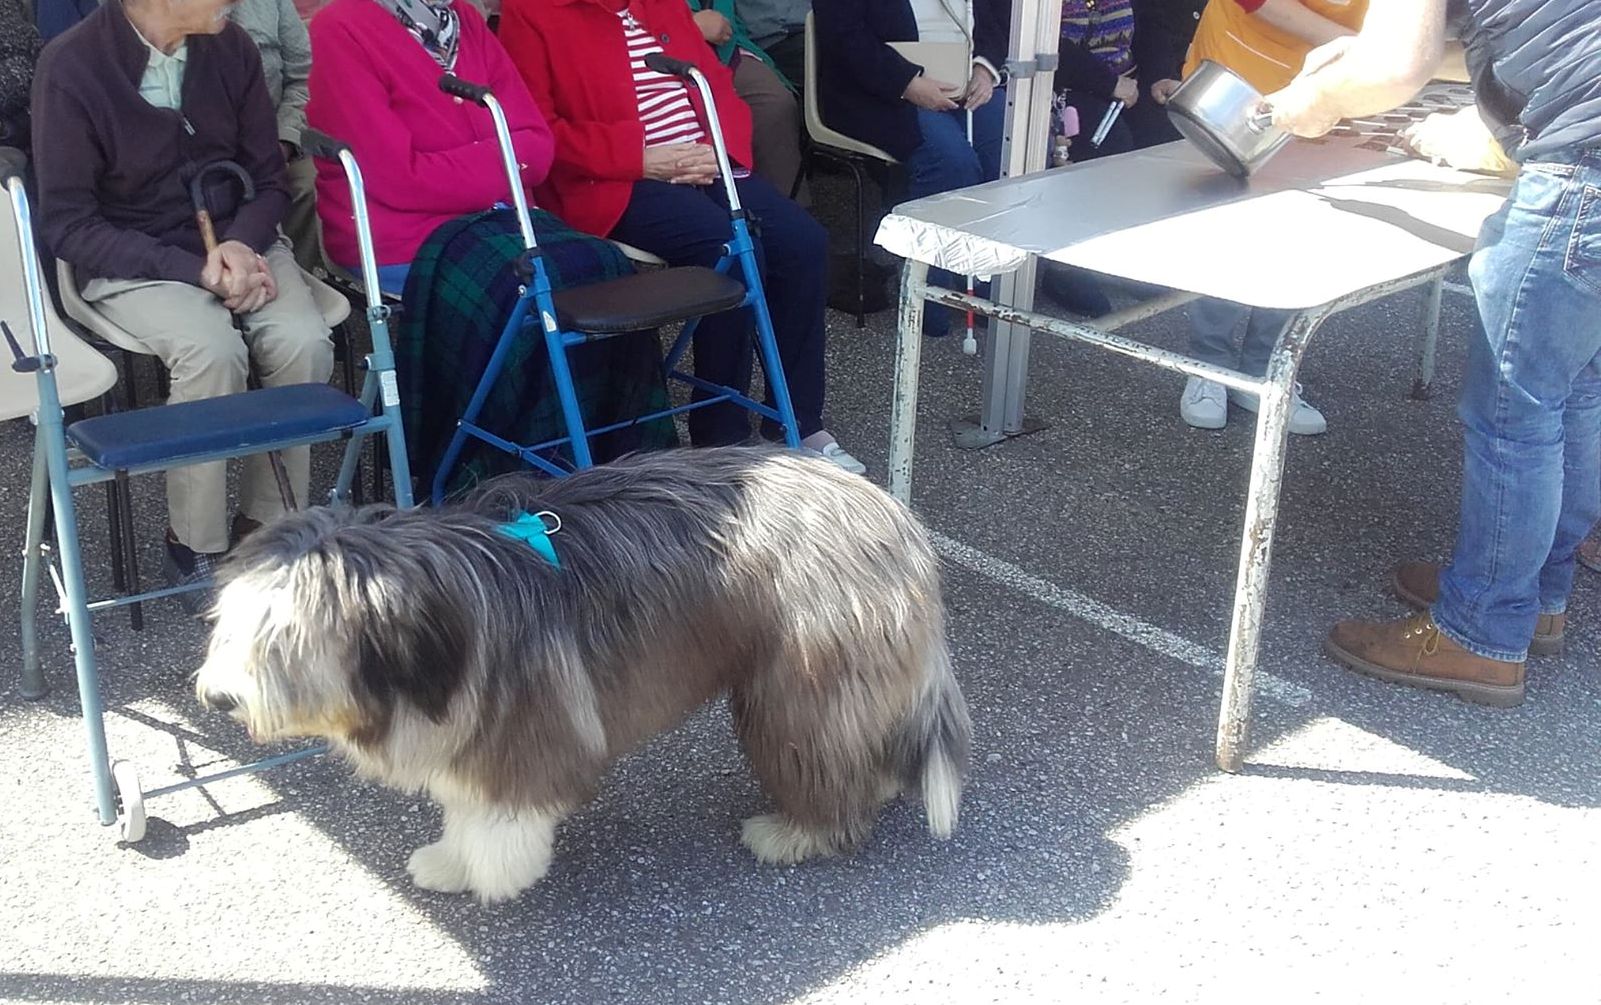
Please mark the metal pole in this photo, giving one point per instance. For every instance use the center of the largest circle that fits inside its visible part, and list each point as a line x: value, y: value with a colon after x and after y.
x: 1256, y: 545
x: 1036, y: 30
x: 1428, y: 339
x: 908, y: 357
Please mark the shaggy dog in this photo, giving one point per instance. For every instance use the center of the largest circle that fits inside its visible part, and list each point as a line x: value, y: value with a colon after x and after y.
x: 441, y: 653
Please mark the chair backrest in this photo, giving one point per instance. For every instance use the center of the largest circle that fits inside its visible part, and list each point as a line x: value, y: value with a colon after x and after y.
x: 80, y: 373
x: 815, y: 128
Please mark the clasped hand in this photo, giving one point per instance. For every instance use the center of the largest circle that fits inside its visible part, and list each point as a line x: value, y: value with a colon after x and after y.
x: 239, y: 277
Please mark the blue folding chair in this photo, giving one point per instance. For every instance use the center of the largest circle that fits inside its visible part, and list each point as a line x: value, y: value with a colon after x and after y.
x: 63, y: 370
x: 632, y: 303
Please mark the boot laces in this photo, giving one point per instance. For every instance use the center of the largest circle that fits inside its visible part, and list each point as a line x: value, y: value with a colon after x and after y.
x: 1421, y: 626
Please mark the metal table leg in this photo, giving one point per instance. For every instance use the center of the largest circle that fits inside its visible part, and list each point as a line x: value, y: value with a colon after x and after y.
x: 1256, y: 546
x: 908, y: 359
x: 1428, y: 339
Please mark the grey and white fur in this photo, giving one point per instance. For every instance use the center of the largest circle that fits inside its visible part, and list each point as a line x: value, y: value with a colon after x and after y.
x: 441, y: 655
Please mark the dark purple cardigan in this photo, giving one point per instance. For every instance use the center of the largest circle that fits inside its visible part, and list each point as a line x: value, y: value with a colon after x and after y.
x: 114, y: 170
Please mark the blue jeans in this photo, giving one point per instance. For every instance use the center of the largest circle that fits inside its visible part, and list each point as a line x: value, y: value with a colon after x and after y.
x: 1531, y: 411
x: 945, y: 162
x: 1212, y: 326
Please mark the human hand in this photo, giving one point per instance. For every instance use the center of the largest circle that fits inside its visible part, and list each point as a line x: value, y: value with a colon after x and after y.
x: 1163, y: 90
x: 681, y: 164
x: 980, y: 88
x: 1458, y: 139
x: 934, y: 95
x: 239, y: 277
x: 713, y: 26
x: 1126, y: 91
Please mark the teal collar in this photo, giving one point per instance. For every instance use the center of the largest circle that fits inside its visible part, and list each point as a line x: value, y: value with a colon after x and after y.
x: 532, y: 530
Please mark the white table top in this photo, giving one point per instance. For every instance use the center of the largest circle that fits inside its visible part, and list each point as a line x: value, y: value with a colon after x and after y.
x: 1324, y: 219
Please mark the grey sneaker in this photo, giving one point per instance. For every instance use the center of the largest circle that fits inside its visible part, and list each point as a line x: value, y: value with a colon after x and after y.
x: 183, y: 567
x: 1204, y: 404
x: 1304, y: 419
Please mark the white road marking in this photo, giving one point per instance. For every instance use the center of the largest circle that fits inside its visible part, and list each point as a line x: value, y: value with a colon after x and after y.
x: 1156, y: 639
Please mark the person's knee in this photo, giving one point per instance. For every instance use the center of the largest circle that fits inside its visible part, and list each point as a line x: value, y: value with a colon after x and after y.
x: 796, y: 243
x: 214, y: 362
x: 295, y: 347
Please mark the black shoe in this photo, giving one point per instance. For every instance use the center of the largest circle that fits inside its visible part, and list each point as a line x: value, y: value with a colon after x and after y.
x: 183, y: 567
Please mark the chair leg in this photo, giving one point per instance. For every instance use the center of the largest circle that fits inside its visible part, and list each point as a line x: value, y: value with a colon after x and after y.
x: 861, y: 243
x: 33, y: 683
x: 114, y: 535
x: 347, y: 356
x: 136, y: 612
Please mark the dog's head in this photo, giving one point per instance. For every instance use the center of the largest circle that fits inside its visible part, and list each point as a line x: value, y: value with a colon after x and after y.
x: 326, y: 621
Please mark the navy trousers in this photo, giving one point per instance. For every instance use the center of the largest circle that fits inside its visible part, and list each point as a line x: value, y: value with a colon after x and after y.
x: 688, y: 225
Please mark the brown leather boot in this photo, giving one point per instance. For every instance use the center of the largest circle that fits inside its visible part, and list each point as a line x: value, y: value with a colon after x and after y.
x: 1417, y: 584
x: 1414, y: 651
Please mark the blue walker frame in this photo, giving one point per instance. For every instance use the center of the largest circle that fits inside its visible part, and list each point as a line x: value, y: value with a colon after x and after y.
x: 535, y: 297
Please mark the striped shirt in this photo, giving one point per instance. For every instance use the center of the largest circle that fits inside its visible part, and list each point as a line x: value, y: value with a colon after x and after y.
x: 664, y: 107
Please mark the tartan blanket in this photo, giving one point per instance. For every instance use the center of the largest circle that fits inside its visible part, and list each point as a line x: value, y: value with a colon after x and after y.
x: 459, y: 293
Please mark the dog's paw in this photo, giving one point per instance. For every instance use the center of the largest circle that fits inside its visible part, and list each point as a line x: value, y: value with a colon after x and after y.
x: 777, y: 840
x: 435, y: 867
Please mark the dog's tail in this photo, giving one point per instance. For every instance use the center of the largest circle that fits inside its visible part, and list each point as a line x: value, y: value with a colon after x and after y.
x: 932, y: 750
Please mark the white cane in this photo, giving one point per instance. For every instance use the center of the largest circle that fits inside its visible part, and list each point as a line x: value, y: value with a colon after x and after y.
x: 970, y: 342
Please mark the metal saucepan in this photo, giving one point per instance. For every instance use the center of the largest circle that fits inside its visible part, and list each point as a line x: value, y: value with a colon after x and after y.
x: 1216, y: 110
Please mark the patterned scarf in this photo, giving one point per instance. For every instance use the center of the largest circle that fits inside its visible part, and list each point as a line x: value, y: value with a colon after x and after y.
x: 433, y: 23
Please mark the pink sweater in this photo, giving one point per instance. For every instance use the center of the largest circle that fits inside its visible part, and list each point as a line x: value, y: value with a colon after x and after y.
x: 427, y: 158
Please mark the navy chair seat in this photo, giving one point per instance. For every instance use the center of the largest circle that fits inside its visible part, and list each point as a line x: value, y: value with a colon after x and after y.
x: 237, y: 423
x: 646, y: 300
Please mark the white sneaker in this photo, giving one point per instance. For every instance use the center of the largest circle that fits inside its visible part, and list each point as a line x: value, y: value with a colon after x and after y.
x: 1304, y: 419
x: 1204, y: 404
x: 839, y: 455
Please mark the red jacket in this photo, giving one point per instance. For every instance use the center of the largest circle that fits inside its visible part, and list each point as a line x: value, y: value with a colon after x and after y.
x: 574, y: 59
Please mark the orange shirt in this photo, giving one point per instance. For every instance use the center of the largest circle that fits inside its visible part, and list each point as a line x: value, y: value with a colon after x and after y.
x: 1265, y: 56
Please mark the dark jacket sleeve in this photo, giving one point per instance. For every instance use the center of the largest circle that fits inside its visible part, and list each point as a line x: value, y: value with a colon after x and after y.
x: 843, y: 30
x: 255, y: 223
x: 1078, y: 69
x: 992, y: 30
x: 68, y: 163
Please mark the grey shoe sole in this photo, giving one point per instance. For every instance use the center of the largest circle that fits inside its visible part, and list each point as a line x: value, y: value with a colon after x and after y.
x: 1493, y: 695
x: 1540, y: 645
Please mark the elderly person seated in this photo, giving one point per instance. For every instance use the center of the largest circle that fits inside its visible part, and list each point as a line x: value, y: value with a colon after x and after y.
x: 168, y: 86
x: 434, y: 175
x: 634, y: 162
x: 774, y: 112
x: 870, y: 91
x: 1126, y: 51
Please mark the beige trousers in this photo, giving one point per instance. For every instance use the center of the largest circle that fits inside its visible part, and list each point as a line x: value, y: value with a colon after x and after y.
x: 300, y: 222
x: 191, y: 332
x: 775, y: 116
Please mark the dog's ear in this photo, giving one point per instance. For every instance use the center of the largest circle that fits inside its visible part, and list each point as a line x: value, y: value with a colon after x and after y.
x: 412, y: 638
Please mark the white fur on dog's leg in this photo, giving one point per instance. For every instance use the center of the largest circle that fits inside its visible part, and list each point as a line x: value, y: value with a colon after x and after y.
x: 435, y: 867
x: 503, y: 851
x: 777, y: 840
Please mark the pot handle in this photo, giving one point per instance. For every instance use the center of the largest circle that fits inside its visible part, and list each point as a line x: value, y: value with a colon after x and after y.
x: 1261, y: 119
